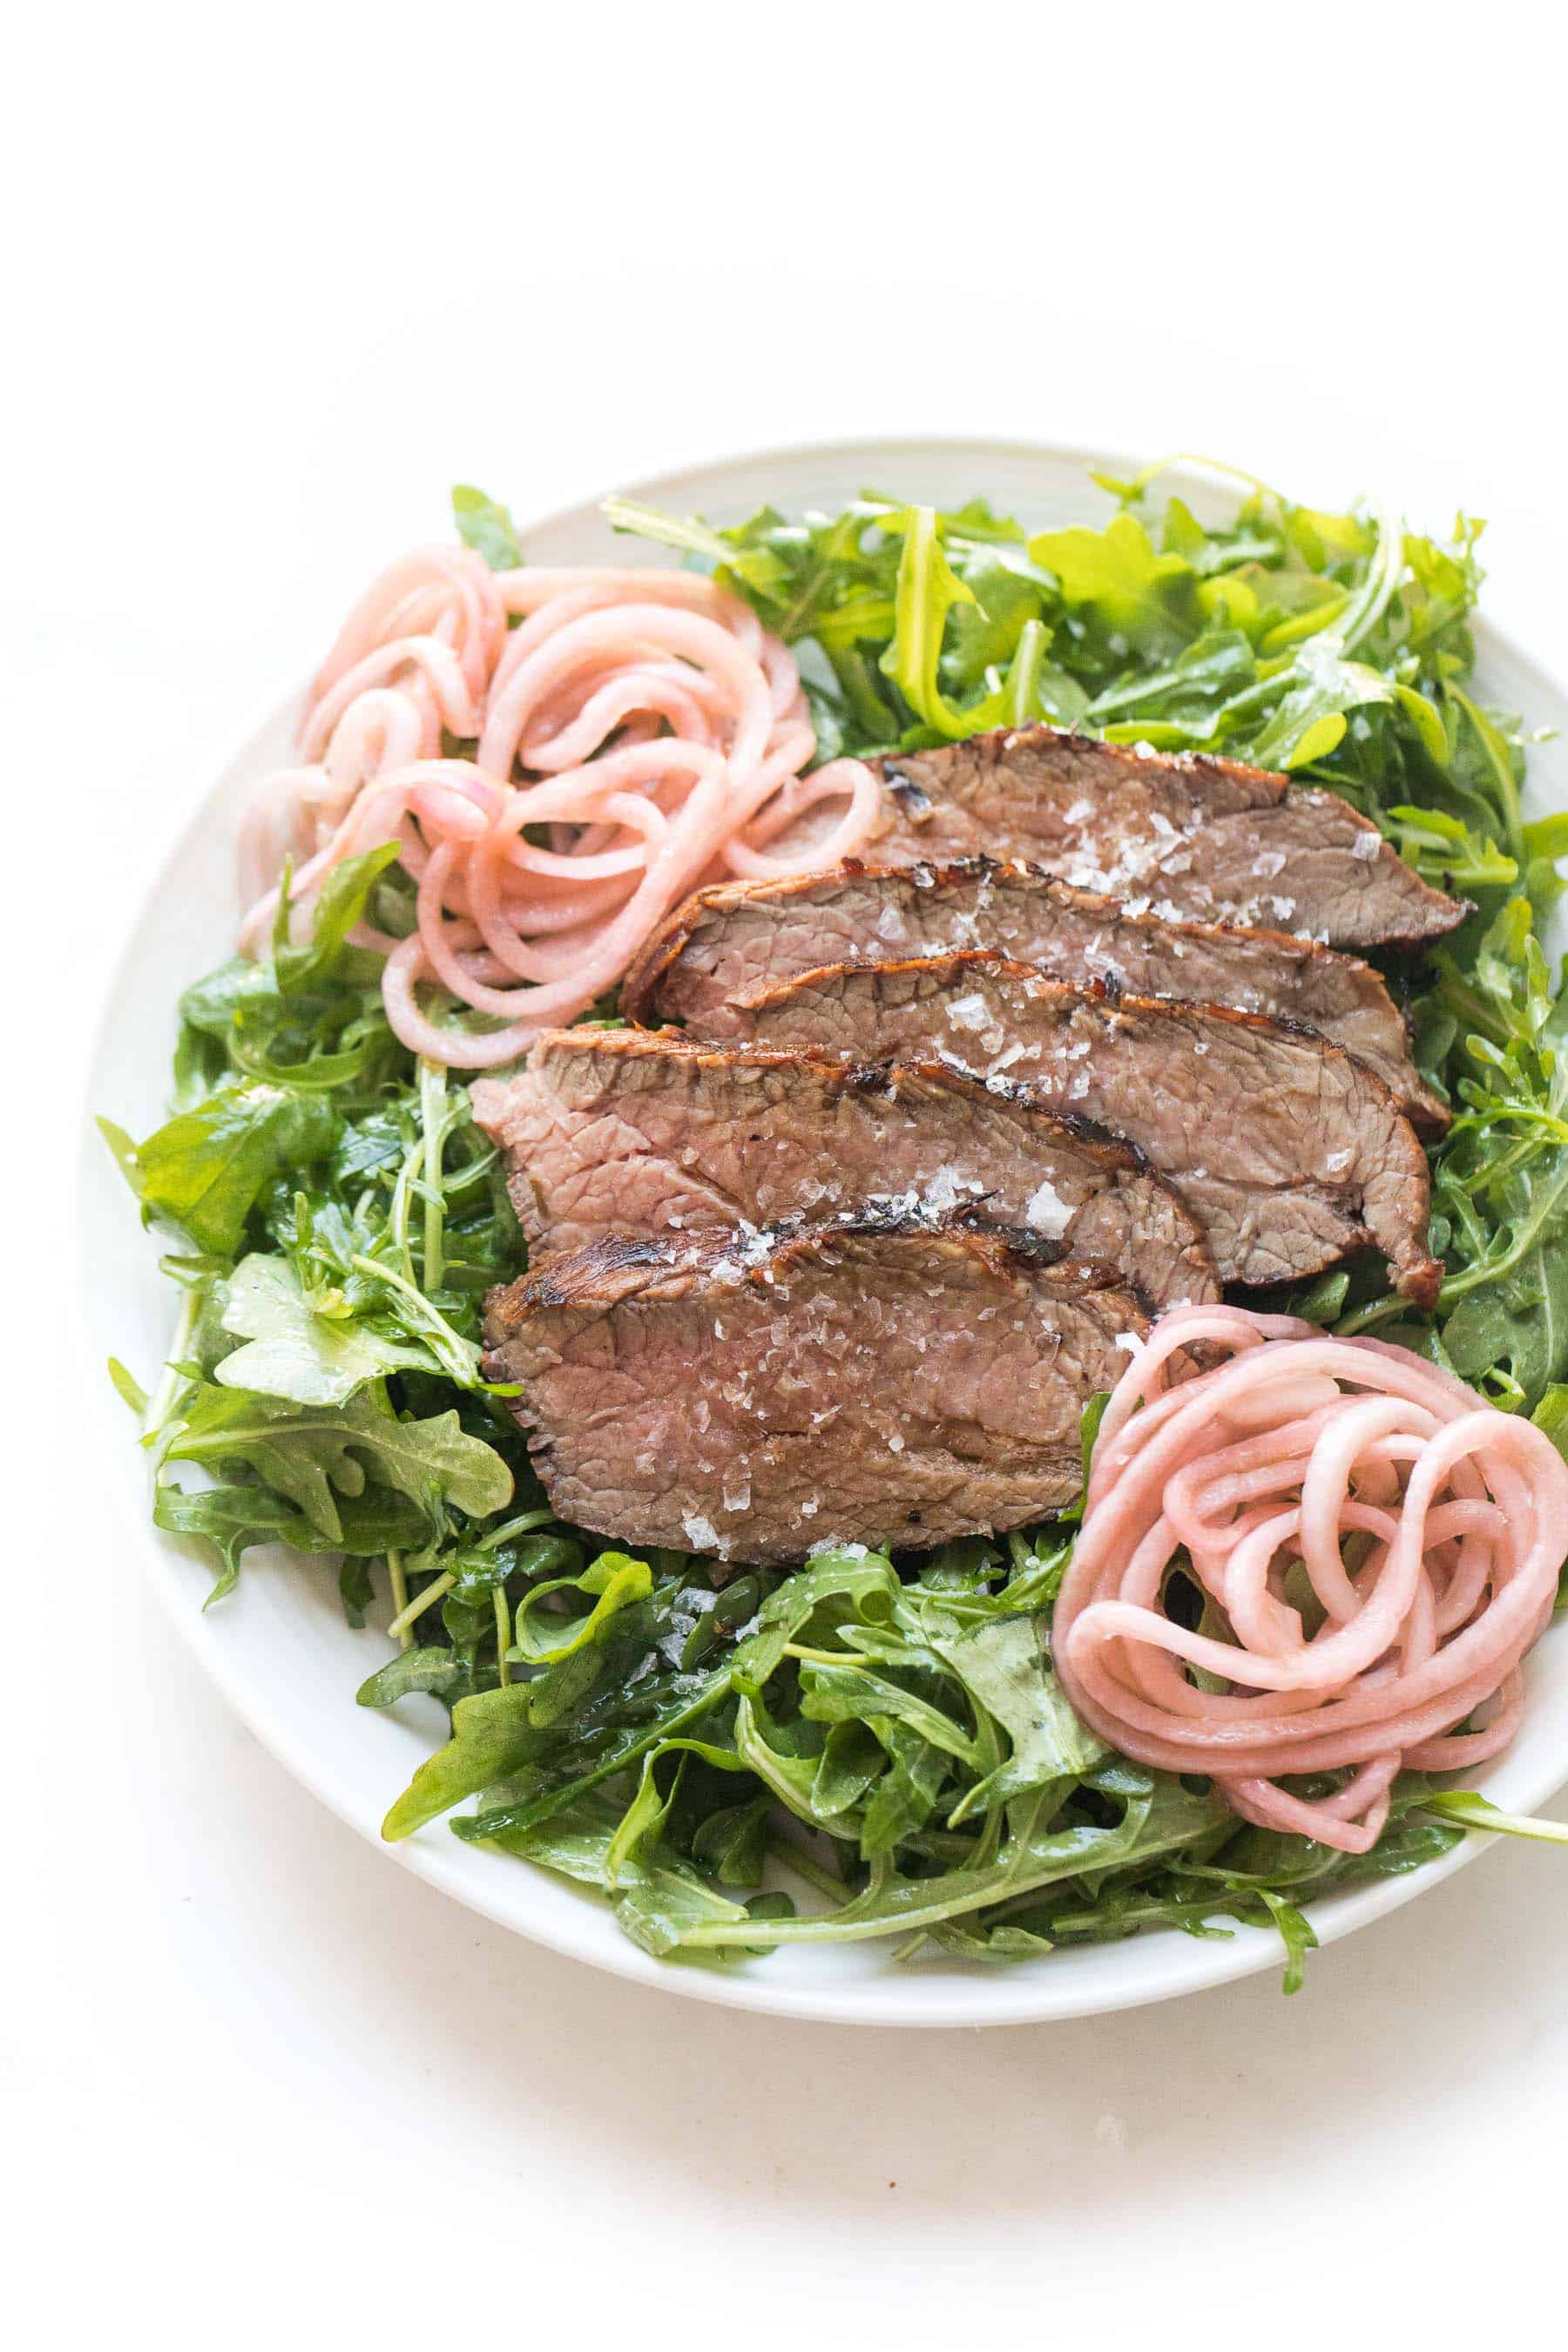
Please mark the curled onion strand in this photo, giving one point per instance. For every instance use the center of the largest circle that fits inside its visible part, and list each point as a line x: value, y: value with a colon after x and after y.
x: 638, y: 734
x: 1377, y: 1550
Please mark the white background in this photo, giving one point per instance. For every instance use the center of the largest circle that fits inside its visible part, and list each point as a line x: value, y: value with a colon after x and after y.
x: 280, y: 276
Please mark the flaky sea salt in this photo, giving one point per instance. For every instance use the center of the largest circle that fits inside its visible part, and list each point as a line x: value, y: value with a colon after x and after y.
x: 1048, y: 1213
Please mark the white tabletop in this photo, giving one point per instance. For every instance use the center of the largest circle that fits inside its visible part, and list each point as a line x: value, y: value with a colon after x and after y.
x: 275, y: 295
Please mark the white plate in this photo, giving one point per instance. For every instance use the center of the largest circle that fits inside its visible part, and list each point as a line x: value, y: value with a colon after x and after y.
x: 278, y: 1648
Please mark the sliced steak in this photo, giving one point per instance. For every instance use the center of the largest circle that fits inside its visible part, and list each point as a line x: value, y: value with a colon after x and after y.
x: 1292, y: 1152
x: 618, y: 1131
x: 882, y: 1385
x: 731, y: 941
x: 1194, y: 838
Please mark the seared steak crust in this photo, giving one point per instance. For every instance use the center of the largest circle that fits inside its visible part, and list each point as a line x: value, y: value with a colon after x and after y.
x: 881, y: 1383
x: 1290, y: 1152
x: 732, y: 941
x: 1196, y: 838
x: 617, y: 1131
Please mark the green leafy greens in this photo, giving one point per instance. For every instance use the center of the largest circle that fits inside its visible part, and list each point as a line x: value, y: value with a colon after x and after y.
x: 865, y: 1746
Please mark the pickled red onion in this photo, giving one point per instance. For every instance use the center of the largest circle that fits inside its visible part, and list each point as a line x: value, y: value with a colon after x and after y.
x: 663, y: 738
x: 1268, y: 1462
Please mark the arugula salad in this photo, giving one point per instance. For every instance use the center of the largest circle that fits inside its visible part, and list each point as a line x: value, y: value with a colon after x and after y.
x: 865, y: 1746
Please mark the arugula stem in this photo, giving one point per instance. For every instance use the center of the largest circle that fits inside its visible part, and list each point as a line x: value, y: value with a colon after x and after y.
x: 784, y: 1850
x: 1476, y: 1812
x: 435, y: 1590
x: 1497, y: 762
x: 1022, y: 678
x: 402, y: 1197
x: 503, y: 1633
x: 460, y: 1360
x: 1371, y: 600
x: 399, y: 1598
x: 521, y: 1525
x: 171, y: 1382
x: 433, y: 1115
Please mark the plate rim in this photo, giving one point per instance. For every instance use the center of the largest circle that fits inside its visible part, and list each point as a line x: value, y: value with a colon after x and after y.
x: 960, y: 1999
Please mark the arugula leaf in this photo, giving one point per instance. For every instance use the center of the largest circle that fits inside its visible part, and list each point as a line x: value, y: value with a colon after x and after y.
x: 983, y: 636
x: 1552, y: 1415
x: 927, y: 590
x: 127, y: 1387
x: 1476, y: 1812
x: 1309, y: 719
x: 436, y: 1669
x: 758, y: 567
x: 486, y: 525
x: 1005, y: 1666
x: 731, y: 1846
x: 212, y: 1004
x: 233, y: 1518
x: 294, y: 1352
x: 312, y: 1456
x: 205, y: 1170
x: 341, y: 903
x: 1115, y: 583
x: 493, y: 1734
x: 1155, y: 1818
x: 851, y: 1694
x: 1297, y: 1932
x: 906, y: 1796
x: 613, y: 1582
x: 661, y: 1911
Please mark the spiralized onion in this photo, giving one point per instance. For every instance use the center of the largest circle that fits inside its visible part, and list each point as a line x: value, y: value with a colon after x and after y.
x: 1276, y: 1456
x: 662, y: 737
